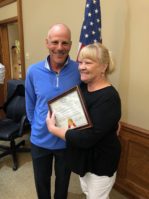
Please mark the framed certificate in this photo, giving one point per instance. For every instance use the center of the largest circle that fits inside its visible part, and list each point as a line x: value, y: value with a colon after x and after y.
x: 70, y: 110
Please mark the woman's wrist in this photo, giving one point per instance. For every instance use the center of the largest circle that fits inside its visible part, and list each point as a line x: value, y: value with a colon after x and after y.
x: 60, y: 132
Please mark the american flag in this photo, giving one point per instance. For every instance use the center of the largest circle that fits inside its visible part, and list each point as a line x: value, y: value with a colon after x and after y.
x: 91, y: 27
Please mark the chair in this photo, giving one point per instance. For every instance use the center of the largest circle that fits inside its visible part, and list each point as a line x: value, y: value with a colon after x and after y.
x: 15, y: 122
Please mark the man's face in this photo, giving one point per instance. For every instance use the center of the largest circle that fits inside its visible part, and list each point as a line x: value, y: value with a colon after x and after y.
x: 59, y: 46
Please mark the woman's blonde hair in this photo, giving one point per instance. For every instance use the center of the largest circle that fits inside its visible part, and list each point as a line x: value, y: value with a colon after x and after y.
x: 98, y: 52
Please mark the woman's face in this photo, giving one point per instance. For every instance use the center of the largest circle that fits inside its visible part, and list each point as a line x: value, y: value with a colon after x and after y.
x: 90, y: 70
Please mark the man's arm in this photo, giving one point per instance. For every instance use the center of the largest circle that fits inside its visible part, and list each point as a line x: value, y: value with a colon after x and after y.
x: 30, y: 96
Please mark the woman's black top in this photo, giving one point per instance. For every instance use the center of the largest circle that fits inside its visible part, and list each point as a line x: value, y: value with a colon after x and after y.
x: 96, y: 149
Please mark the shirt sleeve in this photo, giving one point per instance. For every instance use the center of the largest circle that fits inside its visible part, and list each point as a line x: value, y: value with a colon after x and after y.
x: 30, y: 96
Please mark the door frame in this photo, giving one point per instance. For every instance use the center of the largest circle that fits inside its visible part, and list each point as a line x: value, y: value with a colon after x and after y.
x: 4, y: 51
x: 19, y: 20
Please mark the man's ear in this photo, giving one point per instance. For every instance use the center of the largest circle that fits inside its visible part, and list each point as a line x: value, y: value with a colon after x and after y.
x: 46, y: 42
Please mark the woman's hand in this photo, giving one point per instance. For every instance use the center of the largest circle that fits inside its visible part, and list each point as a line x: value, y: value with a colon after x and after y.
x: 50, y: 120
x: 118, y: 129
x: 59, y: 132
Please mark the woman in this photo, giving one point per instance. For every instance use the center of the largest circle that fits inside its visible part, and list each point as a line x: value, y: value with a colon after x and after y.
x: 94, y: 153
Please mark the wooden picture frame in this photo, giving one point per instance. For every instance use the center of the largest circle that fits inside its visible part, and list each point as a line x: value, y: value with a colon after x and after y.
x: 70, y: 110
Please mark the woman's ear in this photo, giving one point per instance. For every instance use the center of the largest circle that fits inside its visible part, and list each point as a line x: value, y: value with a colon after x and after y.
x: 104, y: 67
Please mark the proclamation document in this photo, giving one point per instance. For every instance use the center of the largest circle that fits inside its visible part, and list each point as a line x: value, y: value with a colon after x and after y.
x: 70, y: 110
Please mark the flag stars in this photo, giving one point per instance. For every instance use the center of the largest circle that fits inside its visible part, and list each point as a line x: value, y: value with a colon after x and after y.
x: 93, y: 32
x: 89, y: 14
x: 91, y: 29
x: 96, y: 11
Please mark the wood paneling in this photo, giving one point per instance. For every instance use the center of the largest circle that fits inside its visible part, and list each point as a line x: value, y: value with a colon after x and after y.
x: 133, y: 173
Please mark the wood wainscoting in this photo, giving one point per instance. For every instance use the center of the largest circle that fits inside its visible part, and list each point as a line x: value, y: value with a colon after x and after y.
x: 133, y: 173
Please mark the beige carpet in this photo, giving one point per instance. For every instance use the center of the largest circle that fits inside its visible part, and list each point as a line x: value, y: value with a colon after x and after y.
x: 20, y: 184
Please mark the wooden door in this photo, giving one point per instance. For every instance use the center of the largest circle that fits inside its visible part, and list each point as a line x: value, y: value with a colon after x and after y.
x: 5, y: 59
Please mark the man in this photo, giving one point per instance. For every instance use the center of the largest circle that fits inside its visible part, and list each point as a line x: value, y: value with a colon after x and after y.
x: 44, y: 81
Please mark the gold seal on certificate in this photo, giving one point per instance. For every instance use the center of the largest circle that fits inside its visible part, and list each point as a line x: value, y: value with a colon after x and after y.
x: 70, y: 110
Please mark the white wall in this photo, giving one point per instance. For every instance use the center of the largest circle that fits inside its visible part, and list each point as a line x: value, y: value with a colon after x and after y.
x: 39, y: 15
x: 125, y: 30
